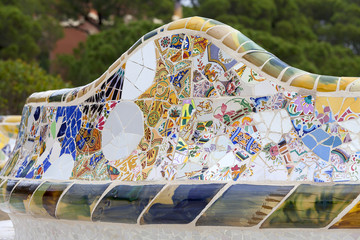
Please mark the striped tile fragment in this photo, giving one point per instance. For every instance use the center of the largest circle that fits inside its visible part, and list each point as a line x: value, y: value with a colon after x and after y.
x: 243, y: 205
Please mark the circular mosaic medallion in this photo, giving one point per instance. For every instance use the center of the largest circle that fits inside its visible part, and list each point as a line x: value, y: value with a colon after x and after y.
x: 123, y: 131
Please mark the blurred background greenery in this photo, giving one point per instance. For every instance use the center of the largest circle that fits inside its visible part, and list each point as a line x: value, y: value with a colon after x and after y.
x: 52, y: 44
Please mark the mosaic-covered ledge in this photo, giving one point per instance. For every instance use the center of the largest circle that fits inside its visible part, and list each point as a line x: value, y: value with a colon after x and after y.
x: 207, y: 204
x: 195, y: 125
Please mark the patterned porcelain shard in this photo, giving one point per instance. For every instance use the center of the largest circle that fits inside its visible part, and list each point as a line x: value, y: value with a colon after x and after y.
x: 195, y: 126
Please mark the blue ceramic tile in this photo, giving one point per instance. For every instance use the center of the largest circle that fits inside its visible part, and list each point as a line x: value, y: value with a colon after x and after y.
x: 124, y: 203
x: 309, y: 141
x: 329, y: 142
x: 323, y: 152
x: 320, y: 134
x: 337, y: 142
x: 180, y: 204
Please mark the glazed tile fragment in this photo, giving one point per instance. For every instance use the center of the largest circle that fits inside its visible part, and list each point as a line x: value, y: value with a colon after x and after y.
x: 312, y: 206
x: 124, y: 203
x: 179, y: 204
x: 79, y: 200
x: 21, y: 195
x: 45, y: 198
x: 243, y: 205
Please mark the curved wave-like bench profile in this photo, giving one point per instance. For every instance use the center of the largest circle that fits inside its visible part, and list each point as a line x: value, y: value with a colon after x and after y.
x: 194, y: 131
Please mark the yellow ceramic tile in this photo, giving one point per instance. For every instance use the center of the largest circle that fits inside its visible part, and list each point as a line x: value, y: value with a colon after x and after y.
x: 352, y: 103
x: 219, y: 31
x: 196, y: 23
x: 355, y: 87
x: 290, y: 72
x: 179, y: 24
x: 231, y: 42
x: 350, y: 220
x: 209, y: 24
x: 345, y: 81
x: 10, y: 129
x: 235, y: 39
x: 12, y: 119
x: 304, y: 81
x: 327, y: 84
x: 335, y: 103
x: 3, y: 140
x: 320, y: 102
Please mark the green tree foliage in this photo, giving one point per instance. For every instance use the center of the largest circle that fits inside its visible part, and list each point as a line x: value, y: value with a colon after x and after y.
x: 19, y: 34
x: 93, y: 57
x: 161, y: 9
x: 28, y: 31
x: 19, y: 80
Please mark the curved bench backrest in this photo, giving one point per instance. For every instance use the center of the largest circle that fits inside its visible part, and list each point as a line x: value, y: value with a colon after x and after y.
x: 194, y: 99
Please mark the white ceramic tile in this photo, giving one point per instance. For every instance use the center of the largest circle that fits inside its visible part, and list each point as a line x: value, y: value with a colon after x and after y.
x: 264, y: 89
x: 119, y: 142
x: 352, y: 125
x: 60, y: 169
x: 106, y: 136
x: 136, y: 126
x: 149, y: 55
x: 132, y: 71
x: 129, y: 91
x: 137, y: 57
x: 275, y: 137
x: 145, y: 79
x: 276, y: 123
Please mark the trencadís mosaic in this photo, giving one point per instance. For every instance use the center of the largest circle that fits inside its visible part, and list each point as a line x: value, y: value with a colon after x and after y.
x: 195, y: 124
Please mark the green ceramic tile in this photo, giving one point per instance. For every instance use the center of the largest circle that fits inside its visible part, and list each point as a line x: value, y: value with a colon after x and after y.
x: 45, y: 198
x: 20, y: 197
x: 243, y: 205
x: 312, y: 206
x: 79, y: 201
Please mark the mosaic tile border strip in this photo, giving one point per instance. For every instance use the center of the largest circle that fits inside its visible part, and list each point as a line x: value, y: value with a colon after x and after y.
x: 242, y: 205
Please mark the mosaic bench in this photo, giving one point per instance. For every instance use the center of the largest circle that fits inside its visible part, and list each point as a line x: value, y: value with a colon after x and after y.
x: 194, y: 132
x: 9, y: 127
